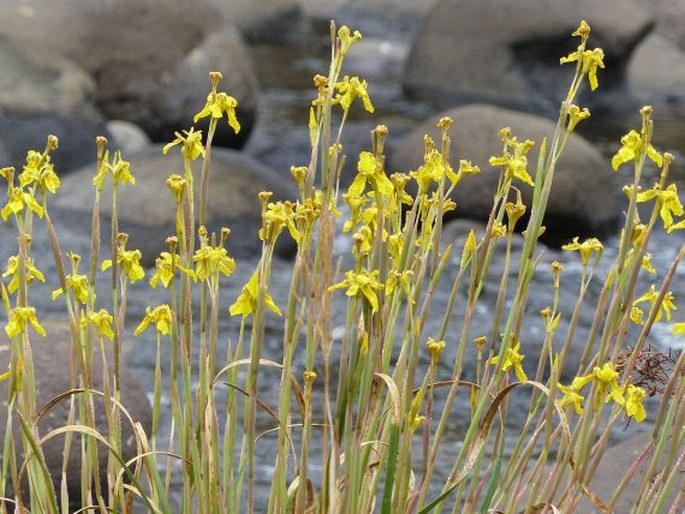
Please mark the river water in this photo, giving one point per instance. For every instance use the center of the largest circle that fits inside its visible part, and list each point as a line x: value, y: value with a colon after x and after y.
x: 284, y: 72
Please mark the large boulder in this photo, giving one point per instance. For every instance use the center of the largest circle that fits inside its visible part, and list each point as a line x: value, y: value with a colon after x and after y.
x: 147, y: 210
x: 264, y: 19
x: 656, y: 71
x: 508, y: 52
x: 584, y: 199
x: 21, y: 131
x: 132, y: 50
x: 51, y: 360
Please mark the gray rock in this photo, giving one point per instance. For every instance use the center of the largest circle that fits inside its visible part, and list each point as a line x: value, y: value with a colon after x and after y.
x: 126, y: 136
x: 584, y: 198
x: 129, y: 47
x: 21, y: 131
x: 656, y: 71
x: 51, y: 360
x: 257, y: 17
x: 147, y: 210
x: 508, y: 52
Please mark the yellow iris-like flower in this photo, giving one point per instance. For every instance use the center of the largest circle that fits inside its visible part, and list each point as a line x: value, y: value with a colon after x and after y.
x: 512, y: 359
x: 636, y: 315
x: 607, y: 380
x: 571, y: 397
x: 667, y: 305
x: 363, y: 284
x: 246, y: 303
x: 576, y: 115
x: 217, y: 104
x: 191, y: 144
x: 634, y: 397
x: 369, y: 170
x: 31, y: 272
x: 514, y: 164
x: 118, y: 168
x: 39, y: 171
x: 279, y: 215
x: 102, y: 320
x: 165, y: 267
x: 667, y: 200
x: 211, y: 260
x: 586, y: 248
x: 16, y: 199
x: 78, y: 285
x: 351, y: 88
x: 590, y: 61
x: 159, y: 316
x: 347, y: 38
x: 129, y: 260
x: 20, y: 317
x: 631, y: 147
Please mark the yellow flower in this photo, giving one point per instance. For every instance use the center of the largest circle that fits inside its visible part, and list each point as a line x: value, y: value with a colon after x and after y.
x: 432, y: 170
x: 246, y: 303
x: 20, y: 317
x: 39, y: 171
x: 679, y: 329
x: 160, y: 316
x: 370, y: 170
x: 634, y: 396
x: 347, y: 39
x: 129, y: 260
x: 647, y: 264
x: 667, y: 201
x: 512, y: 358
x: 31, y: 272
x: 165, y: 267
x: 571, y: 397
x: 586, y: 248
x: 192, y: 144
x: 16, y: 199
x: 363, y: 284
x: 211, y: 260
x: 277, y: 216
x: 435, y: 348
x: 590, y: 61
x: 403, y: 280
x: 219, y: 103
x: 667, y: 305
x: 350, y: 89
x: 576, y: 115
x: 79, y: 286
x: 607, y: 380
x: 514, y: 164
x: 631, y: 147
x: 677, y: 226
x: 103, y: 322
x: 636, y: 315
x: 118, y: 168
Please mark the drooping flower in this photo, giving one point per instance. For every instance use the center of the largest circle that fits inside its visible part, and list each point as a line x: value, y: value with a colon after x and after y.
x: 571, y: 397
x: 160, y: 316
x: 102, y: 320
x: 667, y: 305
x: 607, y: 382
x: 369, y: 170
x: 79, y: 287
x: 39, y: 171
x: 20, y: 317
x: 165, y: 267
x: 590, y: 61
x: 246, y: 303
x: 576, y: 115
x: 17, y: 198
x: 129, y: 260
x: 362, y: 284
x: 634, y: 397
x: 191, y: 144
x: 667, y: 201
x: 219, y: 103
x: 351, y: 88
x: 512, y: 358
x: 514, y: 164
x: 631, y: 147
x: 31, y: 272
x: 586, y: 248
x: 211, y: 260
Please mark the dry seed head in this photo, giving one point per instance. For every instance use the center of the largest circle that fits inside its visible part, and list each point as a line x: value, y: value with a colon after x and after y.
x: 225, y: 232
x: 556, y: 268
x: 52, y: 143
x: 7, y: 173
x: 380, y: 131
x: 646, y: 111
x: 264, y: 197
x: 215, y: 77
x: 172, y: 243
x: 545, y: 313
x: 122, y: 239
x: 444, y: 123
x: 583, y: 30
x: 480, y: 342
x: 309, y: 376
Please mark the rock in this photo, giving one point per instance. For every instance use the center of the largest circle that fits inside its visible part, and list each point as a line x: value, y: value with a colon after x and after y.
x: 126, y: 136
x: 23, y: 131
x: 186, y: 87
x: 584, y: 199
x: 130, y: 48
x: 656, y: 71
x: 51, y: 360
x: 670, y: 19
x: 147, y: 210
x: 37, y: 83
x: 258, y: 19
x: 508, y: 52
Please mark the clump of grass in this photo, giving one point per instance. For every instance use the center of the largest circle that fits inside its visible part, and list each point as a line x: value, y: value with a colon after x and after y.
x: 376, y: 428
